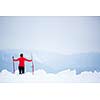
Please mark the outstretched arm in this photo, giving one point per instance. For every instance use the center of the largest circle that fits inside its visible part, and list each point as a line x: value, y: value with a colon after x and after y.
x: 28, y: 60
x: 15, y: 59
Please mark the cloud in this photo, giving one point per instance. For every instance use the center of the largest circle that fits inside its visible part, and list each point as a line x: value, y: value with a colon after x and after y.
x: 40, y: 75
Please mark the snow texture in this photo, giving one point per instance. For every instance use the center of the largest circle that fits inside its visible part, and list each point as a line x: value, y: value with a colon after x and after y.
x: 40, y: 75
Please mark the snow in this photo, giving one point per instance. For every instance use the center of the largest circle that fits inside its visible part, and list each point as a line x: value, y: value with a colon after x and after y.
x: 66, y: 76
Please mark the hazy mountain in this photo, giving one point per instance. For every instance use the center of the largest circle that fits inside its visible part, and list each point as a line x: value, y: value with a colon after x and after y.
x: 52, y: 62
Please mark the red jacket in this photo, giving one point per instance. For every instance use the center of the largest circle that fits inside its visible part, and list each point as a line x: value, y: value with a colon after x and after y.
x: 22, y: 61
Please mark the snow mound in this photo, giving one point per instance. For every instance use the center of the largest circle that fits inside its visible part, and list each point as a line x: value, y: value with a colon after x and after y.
x: 40, y: 75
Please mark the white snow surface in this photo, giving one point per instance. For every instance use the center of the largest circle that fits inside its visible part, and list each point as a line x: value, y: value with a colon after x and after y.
x: 66, y: 76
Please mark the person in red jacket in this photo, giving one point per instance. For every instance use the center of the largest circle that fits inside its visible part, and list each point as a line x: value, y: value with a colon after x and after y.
x: 21, y: 63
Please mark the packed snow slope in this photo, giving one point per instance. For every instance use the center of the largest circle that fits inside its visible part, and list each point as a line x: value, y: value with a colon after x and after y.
x: 66, y: 76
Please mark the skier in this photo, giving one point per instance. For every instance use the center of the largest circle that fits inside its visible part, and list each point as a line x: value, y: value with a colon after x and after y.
x: 21, y: 63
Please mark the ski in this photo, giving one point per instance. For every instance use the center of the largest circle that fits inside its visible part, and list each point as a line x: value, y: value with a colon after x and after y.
x: 13, y: 66
x: 32, y: 65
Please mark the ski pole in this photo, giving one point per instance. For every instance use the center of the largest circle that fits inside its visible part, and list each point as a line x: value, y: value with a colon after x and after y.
x: 13, y: 65
x: 32, y: 65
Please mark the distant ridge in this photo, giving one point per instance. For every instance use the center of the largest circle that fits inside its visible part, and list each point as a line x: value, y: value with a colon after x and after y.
x: 53, y: 62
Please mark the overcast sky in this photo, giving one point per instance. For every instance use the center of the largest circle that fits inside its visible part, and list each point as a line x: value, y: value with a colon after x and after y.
x: 59, y: 34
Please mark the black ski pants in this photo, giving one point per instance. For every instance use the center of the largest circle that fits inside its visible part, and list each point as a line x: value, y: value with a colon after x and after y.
x: 21, y: 70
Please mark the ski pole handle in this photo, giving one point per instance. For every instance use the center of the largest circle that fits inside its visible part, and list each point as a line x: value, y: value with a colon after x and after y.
x: 12, y: 57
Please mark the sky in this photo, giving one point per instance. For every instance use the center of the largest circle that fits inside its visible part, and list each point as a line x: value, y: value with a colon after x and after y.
x: 56, y: 34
